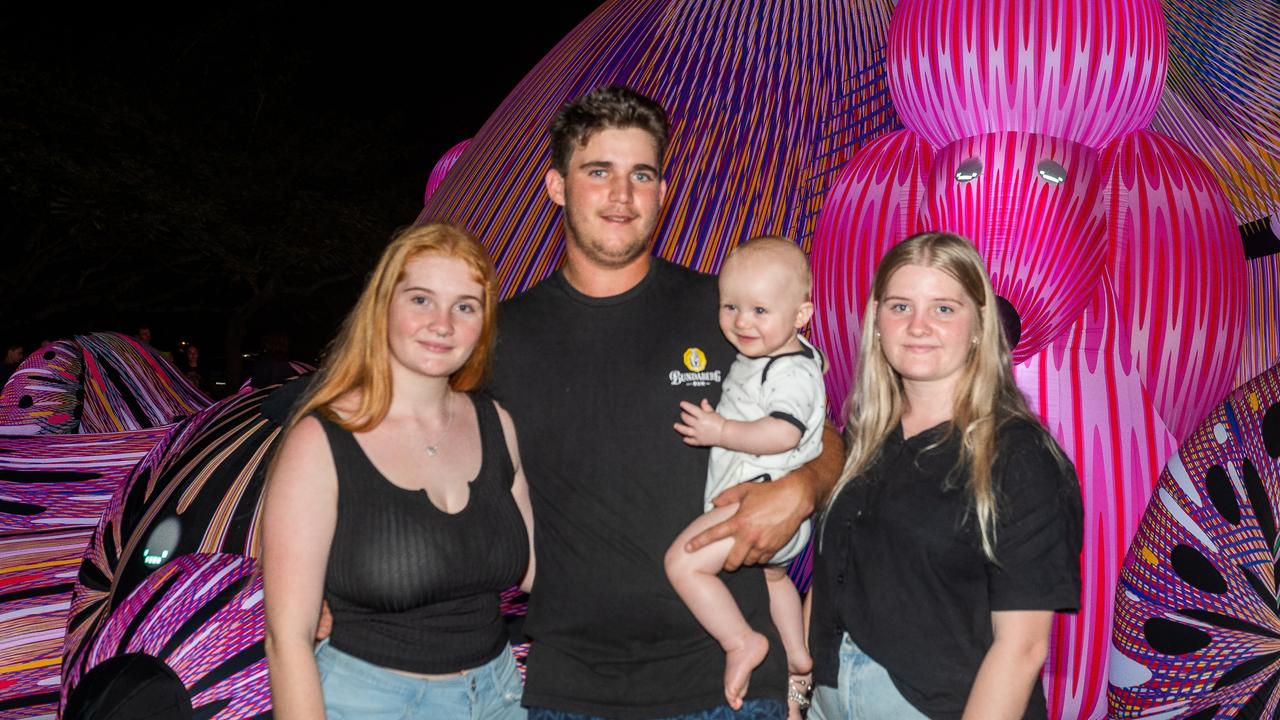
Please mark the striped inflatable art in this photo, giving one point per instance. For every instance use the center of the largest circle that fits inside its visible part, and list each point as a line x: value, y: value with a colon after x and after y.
x: 1115, y: 246
x: 1197, y: 616
x: 75, y: 419
x: 98, y: 383
x: 53, y: 489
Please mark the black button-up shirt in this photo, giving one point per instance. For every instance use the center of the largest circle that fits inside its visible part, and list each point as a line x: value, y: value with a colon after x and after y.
x: 900, y: 566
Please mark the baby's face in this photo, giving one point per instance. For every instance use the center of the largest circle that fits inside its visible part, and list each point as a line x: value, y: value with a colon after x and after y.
x: 761, y: 306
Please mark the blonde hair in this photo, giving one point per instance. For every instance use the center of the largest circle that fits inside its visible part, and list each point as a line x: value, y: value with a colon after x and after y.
x: 782, y: 251
x: 985, y: 396
x: 359, y: 360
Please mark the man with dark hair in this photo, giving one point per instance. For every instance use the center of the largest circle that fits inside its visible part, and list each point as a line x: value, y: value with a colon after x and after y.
x: 593, y: 363
x: 607, y: 107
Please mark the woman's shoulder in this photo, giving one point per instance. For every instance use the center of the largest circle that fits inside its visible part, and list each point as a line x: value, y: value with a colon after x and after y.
x: 1029, y: 461
x: 306, y: 435
x: 1025, y: 436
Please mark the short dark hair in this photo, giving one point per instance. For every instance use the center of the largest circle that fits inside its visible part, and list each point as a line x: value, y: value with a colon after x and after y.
x: 615, y: 106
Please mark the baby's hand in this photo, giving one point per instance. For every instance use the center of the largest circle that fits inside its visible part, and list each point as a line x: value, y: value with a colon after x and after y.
x: 700, y: 425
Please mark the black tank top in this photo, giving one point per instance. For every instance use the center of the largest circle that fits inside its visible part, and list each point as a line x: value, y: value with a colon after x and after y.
x: 412, y: 587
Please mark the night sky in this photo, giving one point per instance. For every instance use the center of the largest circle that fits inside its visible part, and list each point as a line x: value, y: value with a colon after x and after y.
x: 193, y: 167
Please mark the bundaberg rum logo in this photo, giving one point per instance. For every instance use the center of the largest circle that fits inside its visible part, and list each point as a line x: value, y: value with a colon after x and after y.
x: 695, y: 373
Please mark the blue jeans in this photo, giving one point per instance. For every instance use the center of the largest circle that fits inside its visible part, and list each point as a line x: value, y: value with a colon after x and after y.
x: 865, y: 691
x: 356, y: 689
x: 757, y: 709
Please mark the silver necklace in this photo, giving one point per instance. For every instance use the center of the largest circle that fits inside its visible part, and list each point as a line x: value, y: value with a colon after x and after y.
x: 433, y: 448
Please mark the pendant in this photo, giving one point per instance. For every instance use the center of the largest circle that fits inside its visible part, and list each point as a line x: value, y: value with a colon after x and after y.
x: 432, y: 450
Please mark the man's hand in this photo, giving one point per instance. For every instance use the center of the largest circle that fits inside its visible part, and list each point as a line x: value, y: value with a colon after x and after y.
x: 768, y: 515
x: 700, y: 425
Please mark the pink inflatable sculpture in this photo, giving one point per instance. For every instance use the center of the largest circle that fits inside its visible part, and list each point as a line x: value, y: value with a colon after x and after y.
x: 1115, y: 246
x: 442, y: 168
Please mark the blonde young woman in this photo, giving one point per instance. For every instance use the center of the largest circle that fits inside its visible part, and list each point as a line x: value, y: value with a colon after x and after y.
x: 397, y: 497
x: 955, y: 531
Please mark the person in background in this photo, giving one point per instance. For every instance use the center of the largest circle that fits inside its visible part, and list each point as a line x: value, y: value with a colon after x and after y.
x: 189, y: 364
x: 14, y: 354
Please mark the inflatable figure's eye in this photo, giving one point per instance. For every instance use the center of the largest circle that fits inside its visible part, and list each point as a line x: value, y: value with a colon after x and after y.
x: 1051, y: 172
x: 159, y: 547
x: 968, y: 170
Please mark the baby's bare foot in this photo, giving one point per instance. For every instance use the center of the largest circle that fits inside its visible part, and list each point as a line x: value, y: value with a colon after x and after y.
x: 738, y: 664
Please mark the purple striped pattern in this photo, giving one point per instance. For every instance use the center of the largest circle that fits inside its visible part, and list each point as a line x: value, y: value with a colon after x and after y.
x: 1091, y: 397
x: 767, y: 99
x: 98, y: 383
x: 52, y: 482
x: 128, y: 386
x: 41, y: 566
x: 208, y: 472
x: 1224, y: 56
x: 1087, y: 71
x: 53, y: 489
x: 1179, y: 273
x: 43, y: 395
x: 442, y: 167
x: 228, y: 589
x: 1249, y: 175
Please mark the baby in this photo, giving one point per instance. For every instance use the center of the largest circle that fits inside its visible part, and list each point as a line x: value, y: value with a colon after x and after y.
x: 769, y: 422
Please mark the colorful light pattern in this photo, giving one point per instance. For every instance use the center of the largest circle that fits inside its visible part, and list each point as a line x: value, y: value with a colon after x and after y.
x: 98, y: 383
x: 1196, y: 606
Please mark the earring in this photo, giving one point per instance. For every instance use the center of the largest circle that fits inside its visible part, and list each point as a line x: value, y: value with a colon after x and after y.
x: 975, y: 339
x: 877, y: 333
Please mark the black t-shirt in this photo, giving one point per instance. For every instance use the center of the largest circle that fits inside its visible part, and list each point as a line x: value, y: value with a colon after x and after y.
x: 411, y: 586
x: 901, y: 569
x: 594, y: 386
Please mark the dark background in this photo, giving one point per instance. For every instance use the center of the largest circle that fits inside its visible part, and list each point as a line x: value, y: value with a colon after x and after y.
x: 217, y: 173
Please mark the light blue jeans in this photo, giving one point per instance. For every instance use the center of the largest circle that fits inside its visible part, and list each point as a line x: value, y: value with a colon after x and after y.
x: 865, y: 692
x: 355, y: 689
x: 757, y: 709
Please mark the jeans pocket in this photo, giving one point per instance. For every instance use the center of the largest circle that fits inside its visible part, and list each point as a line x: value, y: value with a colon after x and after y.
x: 323, y: 664
x: 508, y: 677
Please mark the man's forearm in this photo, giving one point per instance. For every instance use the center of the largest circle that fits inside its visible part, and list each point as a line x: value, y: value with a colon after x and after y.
x: 821, y: 473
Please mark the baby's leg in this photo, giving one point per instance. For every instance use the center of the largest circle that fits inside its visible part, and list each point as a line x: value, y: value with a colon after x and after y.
x: 694, y: 576
x: 788, y: 615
